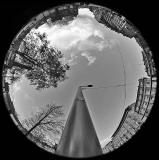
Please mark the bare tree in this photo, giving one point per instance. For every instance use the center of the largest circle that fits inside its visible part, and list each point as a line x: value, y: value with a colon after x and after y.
x: 47, y: 120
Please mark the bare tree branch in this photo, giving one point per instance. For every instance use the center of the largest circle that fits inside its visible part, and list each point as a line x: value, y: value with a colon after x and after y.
x: 46, y: 120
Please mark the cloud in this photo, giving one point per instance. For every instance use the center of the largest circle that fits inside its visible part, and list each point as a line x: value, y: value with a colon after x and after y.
x: 83, y: 34
x: 65, y: 37
x: 113, y: 42
x: 99, y: 33
x: 85, y: 11
x: 101, y: 45
x: 90, y: 58
x: 16, y: 87
x: 26, y: 96
x: 72, y: 60
x: 91, y: 45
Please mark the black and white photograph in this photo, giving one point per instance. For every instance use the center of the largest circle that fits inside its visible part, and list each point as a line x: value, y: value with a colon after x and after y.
x: 79, y: 80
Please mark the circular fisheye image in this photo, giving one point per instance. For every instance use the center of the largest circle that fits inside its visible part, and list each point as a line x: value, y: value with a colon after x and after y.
x: 79, y: 80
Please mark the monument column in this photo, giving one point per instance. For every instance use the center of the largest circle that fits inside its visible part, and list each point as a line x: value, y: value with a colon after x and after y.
x: 79, y: 138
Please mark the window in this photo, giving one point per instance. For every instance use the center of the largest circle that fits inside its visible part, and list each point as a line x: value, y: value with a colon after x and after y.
x: 152, y: 97
x: 142, y: 111
x: 124, y: 139
x: 154, y: 84
x: 153, y: 91
x: 144, y: 119
x: 140, y: 90
x: 147, y: 112
x: 148, y: 82
x: 128, y: 135
x: 147, y: 89
x: 147, y: 96
x: 137, y: 108
x: 145, y: 104
x: 149, y: 106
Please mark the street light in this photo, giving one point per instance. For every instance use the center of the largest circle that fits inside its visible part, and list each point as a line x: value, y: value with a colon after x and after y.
x: 87, y: 86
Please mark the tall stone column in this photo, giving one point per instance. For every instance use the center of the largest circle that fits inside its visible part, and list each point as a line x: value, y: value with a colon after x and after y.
x: 79, y: 138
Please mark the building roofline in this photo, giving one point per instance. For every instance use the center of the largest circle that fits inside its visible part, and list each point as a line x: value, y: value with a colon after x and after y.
x: 123, y: 118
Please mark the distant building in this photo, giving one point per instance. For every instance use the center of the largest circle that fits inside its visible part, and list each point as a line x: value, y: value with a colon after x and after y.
x: 101, y: 14
x: 123, y: 26
x: 130, y: 123
x: 145, y: 96
x: 108, y: 148
x: 107, y: 17
x: 66, y: 10
x: 140, y: 40
x: 119, y: 22
x: 114, y: 21
x: 149, y: 62
x: 135, y: 114
x: 128, y: 30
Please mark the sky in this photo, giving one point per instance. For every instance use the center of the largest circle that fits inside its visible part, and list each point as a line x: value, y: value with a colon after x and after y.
x: 95, y: 54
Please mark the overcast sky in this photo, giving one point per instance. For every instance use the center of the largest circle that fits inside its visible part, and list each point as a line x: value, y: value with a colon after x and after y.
x: 94, y: 53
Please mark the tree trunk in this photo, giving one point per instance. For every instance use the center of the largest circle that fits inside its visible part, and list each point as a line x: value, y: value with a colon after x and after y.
x: 25, y: 56
x: 17, y: 64
x: 31, y: 60
x: 38, y: 123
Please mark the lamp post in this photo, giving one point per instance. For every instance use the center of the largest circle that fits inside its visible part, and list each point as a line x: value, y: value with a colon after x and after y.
x: 85, y: 86
x: 79, y: 138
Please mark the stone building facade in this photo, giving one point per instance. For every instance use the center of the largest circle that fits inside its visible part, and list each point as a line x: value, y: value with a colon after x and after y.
x: 114, y: 21
x: 119, y: 22
x: 149, y: 62
x: 129, y: 125
x: 147, y: 56
x: 135, y: 114
x: 145, y: 96
x: 140, y: 40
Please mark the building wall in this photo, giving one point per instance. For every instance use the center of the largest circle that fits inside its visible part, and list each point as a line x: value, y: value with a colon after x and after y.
x: 145, y: 96
x: 140, y: 40
x: 128, y: 30
x: 134, y: 115
x: 119, y: 22
x: 114, y: 21
x: 149, y: 62
x: 102, y: 15
x: 129, y: 125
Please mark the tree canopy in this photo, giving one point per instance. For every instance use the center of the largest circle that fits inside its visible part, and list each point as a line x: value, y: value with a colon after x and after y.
x: 40, y: 62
